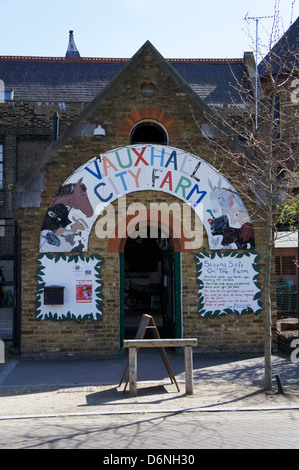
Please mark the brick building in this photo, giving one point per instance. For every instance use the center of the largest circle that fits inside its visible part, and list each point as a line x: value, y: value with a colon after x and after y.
x: 91, y: 149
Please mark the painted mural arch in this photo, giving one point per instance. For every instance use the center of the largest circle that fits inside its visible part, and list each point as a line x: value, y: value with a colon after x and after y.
x: 102, y: 180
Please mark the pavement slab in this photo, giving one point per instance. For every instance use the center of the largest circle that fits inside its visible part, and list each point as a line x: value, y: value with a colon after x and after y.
x: 82, y: 386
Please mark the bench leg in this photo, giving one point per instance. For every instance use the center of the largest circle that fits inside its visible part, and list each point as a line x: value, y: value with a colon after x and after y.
x: 133, y: 371
x: 188, y: 370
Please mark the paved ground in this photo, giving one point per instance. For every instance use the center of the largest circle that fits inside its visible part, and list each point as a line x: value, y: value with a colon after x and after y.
x: 177, y: 435
x: 91, y: 387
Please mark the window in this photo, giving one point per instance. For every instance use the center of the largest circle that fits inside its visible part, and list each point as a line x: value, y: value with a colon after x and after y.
x: 276, y: 118
x: 285, y: 266
x: 5, y: 93
x: 148, y: 132
x: 2, y: 229
x: 288, y: 265
x: 8, y: 95
x: 277, y: 266
x: 1, y: 166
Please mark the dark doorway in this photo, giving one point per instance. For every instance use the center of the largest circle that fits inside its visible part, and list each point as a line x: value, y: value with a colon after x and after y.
x: 149, y: 284
x: 148, y: 132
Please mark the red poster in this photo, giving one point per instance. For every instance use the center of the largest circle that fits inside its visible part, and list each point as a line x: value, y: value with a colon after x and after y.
x: 84, y: 291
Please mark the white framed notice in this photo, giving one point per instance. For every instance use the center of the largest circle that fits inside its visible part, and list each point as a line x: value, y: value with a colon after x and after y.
x: 228, y: 283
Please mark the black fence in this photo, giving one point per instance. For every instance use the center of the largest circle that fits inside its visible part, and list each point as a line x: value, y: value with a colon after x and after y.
x: 286, y: 299
x: 10, y: 283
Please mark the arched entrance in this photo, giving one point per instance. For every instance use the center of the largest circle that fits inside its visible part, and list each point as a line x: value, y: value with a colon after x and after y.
x: 149, y: 284
x: 90, y: 191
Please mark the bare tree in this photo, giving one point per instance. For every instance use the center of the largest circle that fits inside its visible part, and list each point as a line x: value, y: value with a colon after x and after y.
x: 259, y: 135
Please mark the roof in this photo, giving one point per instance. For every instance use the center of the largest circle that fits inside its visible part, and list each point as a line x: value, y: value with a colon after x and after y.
x: 284, y: 56
x: 69, y: 79
x: 82, y: 126
x: 286, y: 240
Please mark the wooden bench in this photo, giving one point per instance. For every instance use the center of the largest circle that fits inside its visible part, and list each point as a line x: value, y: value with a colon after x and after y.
x: 135, y: 344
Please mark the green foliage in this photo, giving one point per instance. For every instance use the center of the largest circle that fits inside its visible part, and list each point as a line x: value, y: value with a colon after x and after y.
x: 289, y: 214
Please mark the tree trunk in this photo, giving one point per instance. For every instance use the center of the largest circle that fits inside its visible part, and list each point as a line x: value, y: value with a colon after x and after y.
x: 269, y: 251
x: 268, y: 314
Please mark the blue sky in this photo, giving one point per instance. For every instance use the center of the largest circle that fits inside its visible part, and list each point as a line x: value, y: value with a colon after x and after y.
x: 118, y: 28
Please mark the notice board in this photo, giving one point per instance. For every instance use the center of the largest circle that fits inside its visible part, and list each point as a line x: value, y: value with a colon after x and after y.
x: 228, y: 283
x: 80, y: 277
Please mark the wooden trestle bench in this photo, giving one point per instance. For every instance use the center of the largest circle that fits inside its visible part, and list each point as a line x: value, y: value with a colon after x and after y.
x: 135, y: 344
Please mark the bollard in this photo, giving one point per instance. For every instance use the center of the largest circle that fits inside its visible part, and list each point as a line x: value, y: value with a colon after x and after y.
x: 2, y: 352
x: 279, y: 386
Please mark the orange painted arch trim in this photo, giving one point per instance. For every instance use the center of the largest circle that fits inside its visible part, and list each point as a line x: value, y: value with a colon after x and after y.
x: 155, y: 114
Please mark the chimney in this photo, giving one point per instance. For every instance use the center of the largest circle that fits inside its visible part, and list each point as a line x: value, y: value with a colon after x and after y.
x: 72, y: 50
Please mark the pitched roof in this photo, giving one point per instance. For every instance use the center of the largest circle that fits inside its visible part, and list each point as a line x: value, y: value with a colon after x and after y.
x: 66, y: 79
x: 80, y: 127
x: 284, y: 56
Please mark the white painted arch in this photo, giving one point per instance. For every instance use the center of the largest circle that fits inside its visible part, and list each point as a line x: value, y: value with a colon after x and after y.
x: 102, y: 180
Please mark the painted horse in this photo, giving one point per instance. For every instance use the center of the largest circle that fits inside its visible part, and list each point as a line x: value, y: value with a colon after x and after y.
x: 74, y: 196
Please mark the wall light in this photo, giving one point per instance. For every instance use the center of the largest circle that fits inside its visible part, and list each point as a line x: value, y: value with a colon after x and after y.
x: 99, y: 132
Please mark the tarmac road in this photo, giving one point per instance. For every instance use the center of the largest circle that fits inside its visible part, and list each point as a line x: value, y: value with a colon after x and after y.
x: 183, y: 434
x: 78, y: 404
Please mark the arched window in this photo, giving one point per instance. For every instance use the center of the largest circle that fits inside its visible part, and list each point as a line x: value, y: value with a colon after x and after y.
x: 148, y: 132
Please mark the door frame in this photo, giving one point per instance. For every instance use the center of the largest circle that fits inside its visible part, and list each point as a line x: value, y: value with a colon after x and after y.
x: 177, y: 293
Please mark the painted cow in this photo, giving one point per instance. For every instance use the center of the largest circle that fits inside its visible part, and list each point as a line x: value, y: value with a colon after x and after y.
x: 240, y: 236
